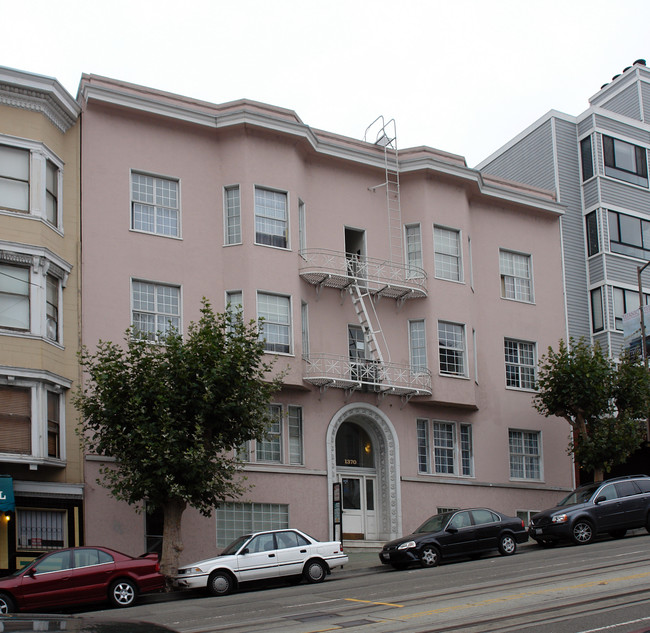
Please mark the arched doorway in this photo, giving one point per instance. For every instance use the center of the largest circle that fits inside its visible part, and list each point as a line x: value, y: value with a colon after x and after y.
x: 363, y: 457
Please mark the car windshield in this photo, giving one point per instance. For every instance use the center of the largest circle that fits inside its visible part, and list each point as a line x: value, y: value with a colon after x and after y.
x: 235, y: 545
x: 435, y: 524
x: 579, y: 495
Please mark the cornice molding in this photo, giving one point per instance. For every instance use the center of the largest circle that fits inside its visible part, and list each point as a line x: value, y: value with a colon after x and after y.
x: 244, y: 113
x: 37, y: 93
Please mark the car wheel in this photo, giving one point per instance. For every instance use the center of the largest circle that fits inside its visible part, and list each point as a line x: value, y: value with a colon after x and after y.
x: 582, y: 532
x: 220, y: 583
x: 122, y: 593
x: 507, y: 545
x: 6, y: 604
x: 618, y: 533
x: 429, y: 557
x: 315, y: 571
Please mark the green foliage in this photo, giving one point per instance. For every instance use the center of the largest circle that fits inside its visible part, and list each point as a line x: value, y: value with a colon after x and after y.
x: 602, y: 401
x: 173, y: 415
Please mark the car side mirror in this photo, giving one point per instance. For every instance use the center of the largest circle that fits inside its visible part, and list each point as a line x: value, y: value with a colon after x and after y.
x: 600, y: 499
x: 245, y: 551
x: 451, y: 530
x: 31, y: 572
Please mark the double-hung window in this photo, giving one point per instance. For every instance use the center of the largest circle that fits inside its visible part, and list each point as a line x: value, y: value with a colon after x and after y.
x: 155, y: 205
x: 625, y: 161
x: 232, y: 215
x: 14, y: 178
x: 30, y: 179
x: 283, y: 443
x: 275, y: 328
x: 448, y: 263
x: 156, y: 310
x: 586, y: 157
x: 269, y: 449
x: 525, y: 454
x: 445, y: 448
x: 31, y: 418
x: 417, y: 346
x: 520, y: 364
x: 516, y: 276
x: 413, y: 250
x: 14, y: 297
x: 451, y: 348
x: 31, y: 291
x: 271, y: 218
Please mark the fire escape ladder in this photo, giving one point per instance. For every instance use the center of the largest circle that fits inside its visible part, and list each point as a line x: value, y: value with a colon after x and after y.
x: 361, y: 298
x: 386, y: 137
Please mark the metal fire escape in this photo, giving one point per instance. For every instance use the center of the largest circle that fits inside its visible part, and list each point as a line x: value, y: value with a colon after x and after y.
x: 367, y: 280
x: 386, y: 138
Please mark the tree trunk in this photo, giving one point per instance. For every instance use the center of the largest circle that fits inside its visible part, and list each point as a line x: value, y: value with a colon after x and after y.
x: 172, y: 541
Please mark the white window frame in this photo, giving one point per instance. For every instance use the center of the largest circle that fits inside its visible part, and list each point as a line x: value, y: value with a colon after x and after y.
x: 444, y: 255
x: 304, y: 327
x: 457, y: 328
x: 269, y: 217
x: 516, y: 367
x: 626, y: 300
x: 156, y: 336
x: 531, y: 463
x: 302, y: 226
x: 39, y: 156
x: 277, y: 324
x: 156, y: 204
x: 42, y: 263
x: 285, y: 443
x: 232, y: 230
x: 514, y: 285
x: 418, y: 345
x: 457, y: 449
x: 413, y: 250
x: 39, y: 383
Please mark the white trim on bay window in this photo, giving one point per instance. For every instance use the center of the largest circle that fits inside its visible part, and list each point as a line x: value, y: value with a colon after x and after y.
x: 31, y: 180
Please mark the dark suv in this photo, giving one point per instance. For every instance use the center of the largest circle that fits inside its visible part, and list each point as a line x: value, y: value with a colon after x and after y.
x: 608, y: 507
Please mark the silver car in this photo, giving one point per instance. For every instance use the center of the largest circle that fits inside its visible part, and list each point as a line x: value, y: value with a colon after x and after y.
x: 263, y: 556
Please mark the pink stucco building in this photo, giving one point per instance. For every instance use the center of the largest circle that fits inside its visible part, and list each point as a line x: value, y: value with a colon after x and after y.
x: 408, y: 296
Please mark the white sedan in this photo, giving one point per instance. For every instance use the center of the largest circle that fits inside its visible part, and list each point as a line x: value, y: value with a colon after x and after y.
x: 263, y: 556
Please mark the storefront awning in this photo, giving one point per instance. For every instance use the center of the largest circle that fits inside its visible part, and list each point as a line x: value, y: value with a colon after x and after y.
x: 7, y: 503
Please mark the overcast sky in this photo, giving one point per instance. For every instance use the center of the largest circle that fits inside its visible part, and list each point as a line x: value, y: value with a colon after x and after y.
x: 463, y: 76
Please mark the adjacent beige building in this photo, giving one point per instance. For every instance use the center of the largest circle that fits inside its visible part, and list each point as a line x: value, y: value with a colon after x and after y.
x: 39, y: 317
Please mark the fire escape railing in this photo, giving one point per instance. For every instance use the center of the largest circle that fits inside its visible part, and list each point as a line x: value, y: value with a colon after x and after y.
x: 381, y: 277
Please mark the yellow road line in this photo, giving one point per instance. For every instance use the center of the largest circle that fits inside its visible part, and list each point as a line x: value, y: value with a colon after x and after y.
x: 385, y: 604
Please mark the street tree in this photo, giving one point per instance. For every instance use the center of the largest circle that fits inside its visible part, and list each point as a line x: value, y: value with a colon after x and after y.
x: 604, y: 402
x: 170, y: 416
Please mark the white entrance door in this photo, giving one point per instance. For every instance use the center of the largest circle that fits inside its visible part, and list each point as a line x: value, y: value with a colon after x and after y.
x: 359, y: 513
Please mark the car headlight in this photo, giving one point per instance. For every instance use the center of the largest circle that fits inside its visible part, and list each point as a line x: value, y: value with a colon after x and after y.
x: 560, y: 518
x: 407, y: 545
x: 190, y: 570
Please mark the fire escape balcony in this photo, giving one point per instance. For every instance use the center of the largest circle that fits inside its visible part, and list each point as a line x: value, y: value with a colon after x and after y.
x: 329, y: 370
x: 380, y: 277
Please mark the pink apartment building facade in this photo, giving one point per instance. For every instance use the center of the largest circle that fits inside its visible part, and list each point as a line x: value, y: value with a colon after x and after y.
x: 407, y: 296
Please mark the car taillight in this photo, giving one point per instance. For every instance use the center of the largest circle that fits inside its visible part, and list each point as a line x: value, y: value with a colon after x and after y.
x: 523, y: 525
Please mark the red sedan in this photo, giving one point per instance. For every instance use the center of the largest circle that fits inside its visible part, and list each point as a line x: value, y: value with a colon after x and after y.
x: 80, y: 575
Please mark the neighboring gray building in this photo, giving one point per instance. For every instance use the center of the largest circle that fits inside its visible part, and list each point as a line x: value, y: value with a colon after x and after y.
x: 597, y: 165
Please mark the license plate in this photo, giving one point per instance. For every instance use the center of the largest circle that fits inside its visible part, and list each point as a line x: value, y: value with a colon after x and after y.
x: 385, y: 555
x: 538, y: 531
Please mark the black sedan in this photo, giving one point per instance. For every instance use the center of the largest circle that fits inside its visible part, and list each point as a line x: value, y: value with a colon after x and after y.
x: 456, y: 534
